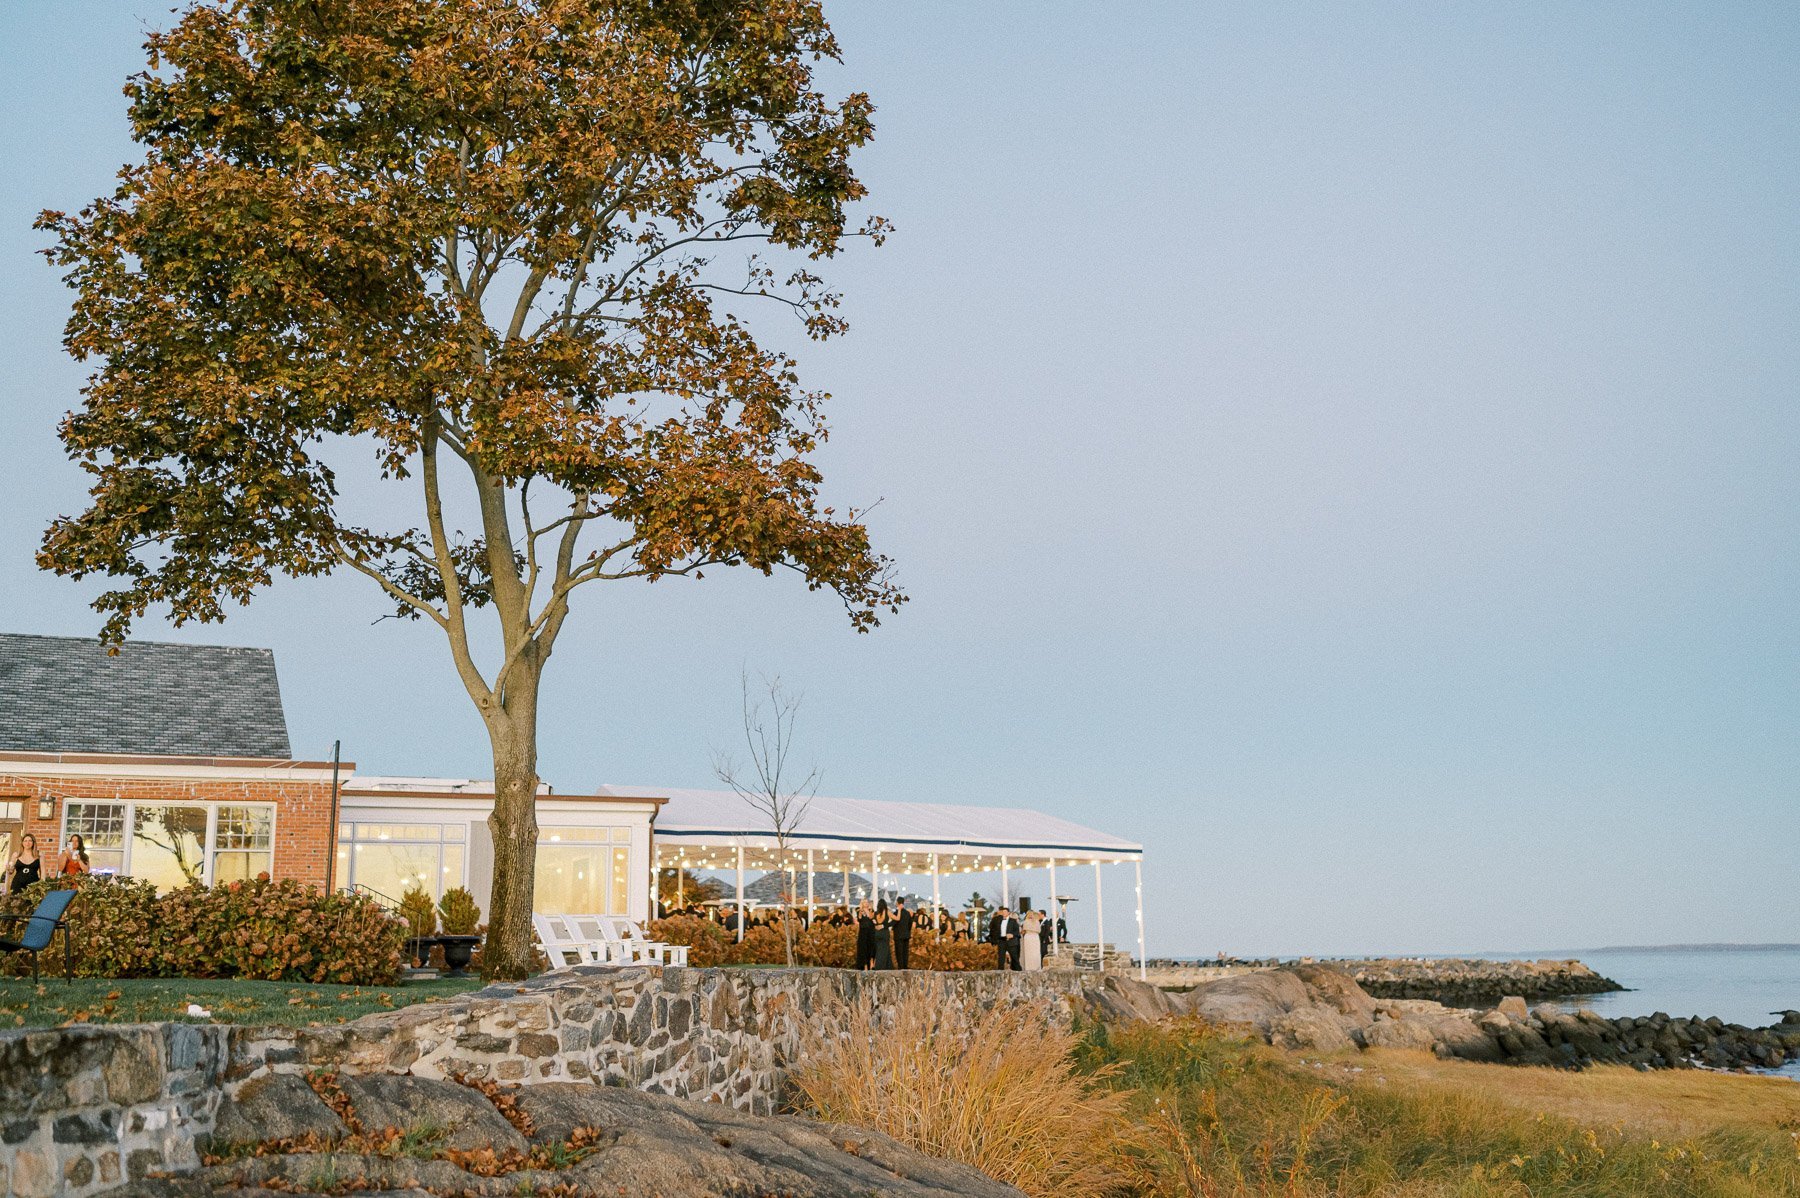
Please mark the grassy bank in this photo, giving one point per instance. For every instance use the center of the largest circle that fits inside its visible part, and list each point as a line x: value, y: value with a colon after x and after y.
x: 1233, y: 1120
x: 141, y: 1000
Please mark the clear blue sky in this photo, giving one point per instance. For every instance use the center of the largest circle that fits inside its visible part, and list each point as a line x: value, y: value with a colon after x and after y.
x: 1348, y: 447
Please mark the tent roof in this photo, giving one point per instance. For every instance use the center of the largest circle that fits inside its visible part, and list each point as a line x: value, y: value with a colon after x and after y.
x: 722, y: 818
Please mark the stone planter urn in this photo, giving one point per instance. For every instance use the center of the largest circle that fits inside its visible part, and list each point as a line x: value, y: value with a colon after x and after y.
x: 457, y: 952
x: 419, y: 948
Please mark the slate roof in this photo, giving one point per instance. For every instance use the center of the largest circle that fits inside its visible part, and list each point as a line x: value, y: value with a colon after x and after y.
x: 61, y: 694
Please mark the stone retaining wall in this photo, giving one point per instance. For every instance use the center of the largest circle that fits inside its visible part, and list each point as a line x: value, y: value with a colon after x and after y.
x: 83, y: 1107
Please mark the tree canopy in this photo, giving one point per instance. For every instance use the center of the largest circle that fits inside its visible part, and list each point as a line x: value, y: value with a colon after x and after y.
x: 496, y: 229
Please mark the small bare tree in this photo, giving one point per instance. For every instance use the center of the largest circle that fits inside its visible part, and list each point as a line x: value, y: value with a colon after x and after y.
x: 768, y: 784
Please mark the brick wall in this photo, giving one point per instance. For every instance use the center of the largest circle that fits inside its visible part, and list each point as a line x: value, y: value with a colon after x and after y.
x: 304, y: 840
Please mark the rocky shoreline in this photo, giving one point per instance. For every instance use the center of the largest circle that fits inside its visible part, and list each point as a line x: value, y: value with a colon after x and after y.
x: 1458, y: 982
x: 1323, y: 1008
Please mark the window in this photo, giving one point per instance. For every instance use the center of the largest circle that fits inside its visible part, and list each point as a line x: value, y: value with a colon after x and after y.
x: 175, y: 844
x: 390, y: 859
x: 580, y: 871
x: 101, y: 827
x: 243, y: 845
x: 168, y: 845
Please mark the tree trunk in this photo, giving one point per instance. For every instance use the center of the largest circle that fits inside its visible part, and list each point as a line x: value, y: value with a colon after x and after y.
x: 507, y: 953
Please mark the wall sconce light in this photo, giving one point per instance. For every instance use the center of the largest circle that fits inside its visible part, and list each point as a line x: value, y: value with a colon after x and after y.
x: 46, y: 808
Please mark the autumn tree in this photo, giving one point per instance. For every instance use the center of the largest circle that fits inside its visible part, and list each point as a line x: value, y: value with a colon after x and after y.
x: 495, y: 251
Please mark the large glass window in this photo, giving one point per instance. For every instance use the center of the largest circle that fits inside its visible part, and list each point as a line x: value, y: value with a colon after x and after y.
x: 168, y: 845
x: 390, y: 859
x: 101, y: 827
x: 175, y: 844
x: 580, y: 871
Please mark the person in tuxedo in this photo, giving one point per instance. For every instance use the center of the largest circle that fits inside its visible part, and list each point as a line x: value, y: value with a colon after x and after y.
x: 1003, y: 933
x: 903, y: 929
x: 1044, y: 927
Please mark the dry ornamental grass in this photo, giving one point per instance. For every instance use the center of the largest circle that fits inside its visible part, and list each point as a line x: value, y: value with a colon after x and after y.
x: 998, y: 1090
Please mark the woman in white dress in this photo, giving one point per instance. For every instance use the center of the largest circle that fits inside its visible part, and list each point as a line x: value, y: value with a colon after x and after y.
x: 1031, y: 949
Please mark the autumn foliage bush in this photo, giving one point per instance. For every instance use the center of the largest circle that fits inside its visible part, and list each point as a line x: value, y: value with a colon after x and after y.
x: 260, y: 930
x: 820, y: 945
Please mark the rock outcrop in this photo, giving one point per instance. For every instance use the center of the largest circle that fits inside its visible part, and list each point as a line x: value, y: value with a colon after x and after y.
x: 397, y: 1133
x: 1320, y: 1009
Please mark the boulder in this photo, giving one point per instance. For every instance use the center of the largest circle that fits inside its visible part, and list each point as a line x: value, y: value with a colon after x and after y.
x: 277, y: 1106
x: 1253, y: 999
x: 465, y: 1116
x: 1315, y: 1029
x: 1513, y: 1007
x: 1337, y: 990
x: 1398, y: 1033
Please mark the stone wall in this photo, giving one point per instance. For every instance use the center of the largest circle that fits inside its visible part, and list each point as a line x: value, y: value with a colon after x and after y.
x: 82, y: 1106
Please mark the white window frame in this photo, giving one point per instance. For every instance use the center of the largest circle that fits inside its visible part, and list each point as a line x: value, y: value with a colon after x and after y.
x: 348, y: 844
x: 212, y: 826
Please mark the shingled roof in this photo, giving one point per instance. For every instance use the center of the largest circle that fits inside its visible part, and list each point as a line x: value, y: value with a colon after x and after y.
x: 63, y: 694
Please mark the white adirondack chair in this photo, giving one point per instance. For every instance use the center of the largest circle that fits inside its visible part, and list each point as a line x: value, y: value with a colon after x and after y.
x: 598, y: 929
x: 631, y: 934
x: 566, y: 945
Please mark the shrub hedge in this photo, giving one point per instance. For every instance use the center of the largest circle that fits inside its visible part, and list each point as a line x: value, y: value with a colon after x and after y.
x: 261, y: 930
x: 826, y: 945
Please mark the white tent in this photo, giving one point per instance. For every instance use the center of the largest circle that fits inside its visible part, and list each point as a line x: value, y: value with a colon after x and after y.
x: 719, y: 830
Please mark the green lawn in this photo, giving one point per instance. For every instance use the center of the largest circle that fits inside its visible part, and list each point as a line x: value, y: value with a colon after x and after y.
x: 141, y: 1000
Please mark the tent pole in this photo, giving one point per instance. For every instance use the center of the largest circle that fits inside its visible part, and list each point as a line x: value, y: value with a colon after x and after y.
x: 1005, y: 884
x: 937, y: 904
x: 1137, y: 868
x: 874, y: 875
x: 809, y: 886
x: 740, y: 891
x: 680, y: 880
x: 1099, y: 922
x: 847, y: 882
x: 1055, y: 910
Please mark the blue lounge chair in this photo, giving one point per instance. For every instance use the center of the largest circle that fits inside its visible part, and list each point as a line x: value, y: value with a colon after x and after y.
x: 40, y: 929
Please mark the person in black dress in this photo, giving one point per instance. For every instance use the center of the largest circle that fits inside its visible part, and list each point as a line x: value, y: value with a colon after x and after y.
x: 25, y: 867
x: 865, y: 935
x: 884, y: 937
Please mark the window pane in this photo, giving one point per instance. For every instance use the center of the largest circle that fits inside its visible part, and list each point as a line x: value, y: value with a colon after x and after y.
x: 621, y: 834
x: 391, y: 869
x: 431, y: 832
x: 571, y: 836
x: 168, y: 846
x: 237, y: 866
x: 621, y: 902
x: 101, y: 827
x: 455, y: 831
x: 571, y: 880
x: 452, y: 873
x: 244, y: 828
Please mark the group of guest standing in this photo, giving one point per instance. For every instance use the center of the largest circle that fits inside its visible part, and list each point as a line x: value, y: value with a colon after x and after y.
x: 884, y: 935
x: 27, y: 865
x: 1020, y: 944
